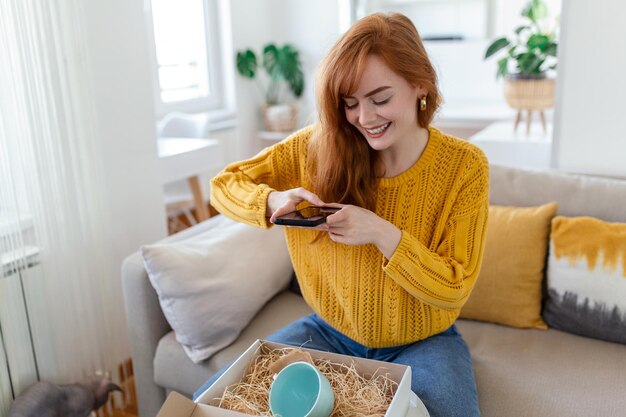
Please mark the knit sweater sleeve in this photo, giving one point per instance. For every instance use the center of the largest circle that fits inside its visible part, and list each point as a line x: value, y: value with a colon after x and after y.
x: 445, y: 276
x: 240, y: 191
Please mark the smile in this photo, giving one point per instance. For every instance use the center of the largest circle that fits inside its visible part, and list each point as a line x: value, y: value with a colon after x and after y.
x: 378, y: 130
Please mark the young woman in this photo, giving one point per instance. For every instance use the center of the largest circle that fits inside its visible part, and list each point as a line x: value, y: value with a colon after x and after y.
x: 389, y: 272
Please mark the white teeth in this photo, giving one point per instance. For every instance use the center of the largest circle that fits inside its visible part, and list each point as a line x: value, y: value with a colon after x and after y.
x: 377, y: 130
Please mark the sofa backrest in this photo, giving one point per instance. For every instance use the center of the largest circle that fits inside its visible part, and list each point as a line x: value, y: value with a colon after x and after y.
x: 576, y: 195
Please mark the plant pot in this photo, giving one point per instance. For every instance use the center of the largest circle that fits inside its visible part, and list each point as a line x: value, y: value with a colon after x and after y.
x: 281, y: 117
x: 529, y: 94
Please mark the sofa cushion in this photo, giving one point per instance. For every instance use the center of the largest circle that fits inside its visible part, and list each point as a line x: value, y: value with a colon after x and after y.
x: 174, y: 370
x: 576, y: 195
x: 536, y: 373
x: 211, y: 285
x: 508, y: 288
x: 587, y: 278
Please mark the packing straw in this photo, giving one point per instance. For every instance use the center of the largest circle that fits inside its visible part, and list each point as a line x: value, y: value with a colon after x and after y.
x: 355, y: 395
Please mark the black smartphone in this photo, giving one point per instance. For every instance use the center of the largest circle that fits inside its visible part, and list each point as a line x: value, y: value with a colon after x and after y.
x: 306, y: 217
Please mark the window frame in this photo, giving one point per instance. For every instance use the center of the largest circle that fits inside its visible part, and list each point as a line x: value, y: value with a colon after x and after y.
x: 220, y: 104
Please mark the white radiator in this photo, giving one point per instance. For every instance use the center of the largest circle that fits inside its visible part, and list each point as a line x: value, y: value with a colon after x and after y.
x: 18, y: 360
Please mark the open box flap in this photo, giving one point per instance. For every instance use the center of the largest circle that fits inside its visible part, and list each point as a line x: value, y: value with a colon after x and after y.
x: 177, y: 405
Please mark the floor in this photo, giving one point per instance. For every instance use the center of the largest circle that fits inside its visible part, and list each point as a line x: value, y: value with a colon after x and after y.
x: 122, y: 404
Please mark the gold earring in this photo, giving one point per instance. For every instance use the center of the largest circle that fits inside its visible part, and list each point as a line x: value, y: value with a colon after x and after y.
x: 422, y: 103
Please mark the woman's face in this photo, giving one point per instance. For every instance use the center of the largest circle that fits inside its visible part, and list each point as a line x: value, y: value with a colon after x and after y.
x: 384, y: 106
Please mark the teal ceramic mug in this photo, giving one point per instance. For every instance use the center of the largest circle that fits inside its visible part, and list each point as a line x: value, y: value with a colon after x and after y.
x: 301, y: 390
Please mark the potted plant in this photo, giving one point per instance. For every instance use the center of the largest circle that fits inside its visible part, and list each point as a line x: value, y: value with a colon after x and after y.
x: 282, y: 69
x: 527, y: 58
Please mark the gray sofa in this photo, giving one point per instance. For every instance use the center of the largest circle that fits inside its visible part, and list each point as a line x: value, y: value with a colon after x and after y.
x: 518, y: 372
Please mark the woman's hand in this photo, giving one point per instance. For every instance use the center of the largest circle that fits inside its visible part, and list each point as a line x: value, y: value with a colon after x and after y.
x: 283, y: 202
x: 354, y: 225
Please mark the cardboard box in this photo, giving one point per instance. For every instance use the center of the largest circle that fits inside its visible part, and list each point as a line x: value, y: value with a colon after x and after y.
x: 404, y: 403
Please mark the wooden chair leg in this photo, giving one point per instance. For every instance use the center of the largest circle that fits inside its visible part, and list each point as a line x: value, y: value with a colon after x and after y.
x: 201, y: 208
x: 122, y: 375
x: 528, y: 120
x: 131, y: 386
x: 127, y: 382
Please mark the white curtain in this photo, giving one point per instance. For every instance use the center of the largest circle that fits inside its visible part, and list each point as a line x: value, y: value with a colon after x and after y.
x: 54, y: 286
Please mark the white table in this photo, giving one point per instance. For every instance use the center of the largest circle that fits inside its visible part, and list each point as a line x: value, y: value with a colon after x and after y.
x: 186, y: 158
x: 504, y: 146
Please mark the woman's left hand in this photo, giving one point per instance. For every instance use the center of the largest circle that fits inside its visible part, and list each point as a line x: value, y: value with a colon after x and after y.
x: 354, y: 225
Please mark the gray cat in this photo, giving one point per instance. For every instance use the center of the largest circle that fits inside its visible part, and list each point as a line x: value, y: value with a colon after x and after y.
x: 45, y: 399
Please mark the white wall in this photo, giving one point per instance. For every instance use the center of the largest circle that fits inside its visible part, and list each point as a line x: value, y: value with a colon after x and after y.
x: 590, y: 109
x: 118, y: 57
x: 251, y: 22
x: 313, y: 27
x: 310, y: 26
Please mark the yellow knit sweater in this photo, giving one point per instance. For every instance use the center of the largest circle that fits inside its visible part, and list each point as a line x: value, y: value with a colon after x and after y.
x: 441, y: 206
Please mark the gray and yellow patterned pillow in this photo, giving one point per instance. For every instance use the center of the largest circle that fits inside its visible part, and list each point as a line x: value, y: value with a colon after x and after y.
x: 587, y: 278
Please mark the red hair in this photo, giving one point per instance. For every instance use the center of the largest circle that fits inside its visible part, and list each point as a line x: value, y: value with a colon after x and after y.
x: 343, y: 166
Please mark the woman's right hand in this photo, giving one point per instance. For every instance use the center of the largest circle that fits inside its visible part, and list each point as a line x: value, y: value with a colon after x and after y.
x: 283, y: 202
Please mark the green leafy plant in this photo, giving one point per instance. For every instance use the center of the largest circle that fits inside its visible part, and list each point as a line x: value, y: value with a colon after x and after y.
x: 532, y: 51
x: 282, y: 66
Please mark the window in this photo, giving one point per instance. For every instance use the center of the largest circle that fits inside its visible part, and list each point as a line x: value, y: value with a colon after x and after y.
x: 190, y: 72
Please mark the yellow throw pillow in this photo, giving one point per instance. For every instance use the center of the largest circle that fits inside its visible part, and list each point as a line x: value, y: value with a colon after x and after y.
x: 508, y: 288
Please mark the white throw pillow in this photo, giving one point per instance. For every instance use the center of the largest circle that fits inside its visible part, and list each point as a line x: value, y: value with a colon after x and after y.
x: 211, y: 285
x: 587, y: 278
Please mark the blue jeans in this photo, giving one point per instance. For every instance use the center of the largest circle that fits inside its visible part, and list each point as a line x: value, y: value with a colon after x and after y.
x: 441, y: 365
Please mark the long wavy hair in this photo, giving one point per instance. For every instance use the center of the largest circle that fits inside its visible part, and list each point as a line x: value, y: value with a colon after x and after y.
x: 342, y: 166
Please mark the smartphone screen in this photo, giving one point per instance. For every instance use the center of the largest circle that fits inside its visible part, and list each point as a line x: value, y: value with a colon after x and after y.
x: 307, y: 217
